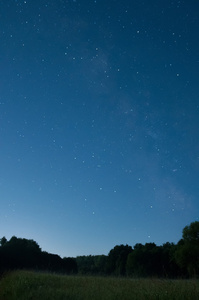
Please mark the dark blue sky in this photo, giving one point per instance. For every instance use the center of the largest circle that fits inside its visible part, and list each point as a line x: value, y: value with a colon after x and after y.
x: 99, y: 122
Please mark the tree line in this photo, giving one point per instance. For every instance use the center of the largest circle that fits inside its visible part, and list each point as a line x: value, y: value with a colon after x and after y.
x: 20, y: 253
x: 168, y: 260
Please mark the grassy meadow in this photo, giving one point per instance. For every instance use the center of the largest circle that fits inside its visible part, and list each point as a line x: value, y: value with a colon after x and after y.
x: 25, y: 285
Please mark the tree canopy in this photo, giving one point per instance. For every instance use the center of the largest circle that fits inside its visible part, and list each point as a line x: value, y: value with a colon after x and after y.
x: 167, y: 260
x: 187, y: 251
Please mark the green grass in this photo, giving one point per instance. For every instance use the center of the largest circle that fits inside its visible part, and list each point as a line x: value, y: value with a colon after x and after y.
x: 23, y: 285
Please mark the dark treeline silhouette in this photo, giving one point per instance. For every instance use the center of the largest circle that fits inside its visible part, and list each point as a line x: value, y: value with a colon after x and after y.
x: 19, y: 253
x: 168, y: 260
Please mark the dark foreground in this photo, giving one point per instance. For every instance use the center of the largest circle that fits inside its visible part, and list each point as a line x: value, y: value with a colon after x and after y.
x: 31, y: 285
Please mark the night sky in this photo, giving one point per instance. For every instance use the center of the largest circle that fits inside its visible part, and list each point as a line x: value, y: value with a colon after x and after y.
x: 99, y: 122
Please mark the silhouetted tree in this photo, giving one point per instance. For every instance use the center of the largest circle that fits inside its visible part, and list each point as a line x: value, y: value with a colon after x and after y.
x: 69, y: 265
x: 50, y: 262
x: 168, y: 260
x: 3, y: 241
x: 191, y: 233
x: 91, y: 264
x: 187, y: 253
x: 100, y: 264
x: 151, y: 260
x: 18, y: 253
x: 117, y: 258
x: 169, y: 265
x: 137, y: 261
x: 85, y: 264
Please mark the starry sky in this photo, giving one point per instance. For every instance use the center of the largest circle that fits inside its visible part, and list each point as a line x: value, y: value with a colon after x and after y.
x: 99, y: 122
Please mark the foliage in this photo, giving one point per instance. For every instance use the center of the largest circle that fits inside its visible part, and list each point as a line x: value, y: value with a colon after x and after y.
x: 92, y: 264
x: 18, y: 253
x: 117, y: 258
x: 142, y: 261
x: 149, y: 260
x: 191, y: 233
x: 3, y: 241
x: 187, y: 253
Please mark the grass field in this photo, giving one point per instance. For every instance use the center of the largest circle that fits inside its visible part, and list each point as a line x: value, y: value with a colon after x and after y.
x: 23, y: 285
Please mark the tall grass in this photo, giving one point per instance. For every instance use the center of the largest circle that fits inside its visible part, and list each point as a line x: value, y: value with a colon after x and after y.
x: 23, y: 285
